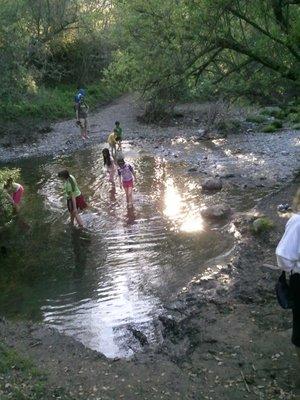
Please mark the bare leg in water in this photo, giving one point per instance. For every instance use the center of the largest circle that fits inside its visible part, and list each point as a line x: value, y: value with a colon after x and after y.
x: 76, y: 216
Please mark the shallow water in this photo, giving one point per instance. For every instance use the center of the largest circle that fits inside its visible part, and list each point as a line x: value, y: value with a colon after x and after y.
x: 116, y: 274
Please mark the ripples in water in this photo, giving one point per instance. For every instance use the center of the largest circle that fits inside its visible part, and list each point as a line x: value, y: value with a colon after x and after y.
x: 96, y: 284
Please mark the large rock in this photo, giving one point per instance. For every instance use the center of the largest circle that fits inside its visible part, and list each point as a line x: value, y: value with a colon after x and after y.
x: 212, y: 184
x: 215, y: 212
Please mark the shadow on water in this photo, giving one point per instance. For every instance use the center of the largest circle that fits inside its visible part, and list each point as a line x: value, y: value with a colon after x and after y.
x: 120, y: 270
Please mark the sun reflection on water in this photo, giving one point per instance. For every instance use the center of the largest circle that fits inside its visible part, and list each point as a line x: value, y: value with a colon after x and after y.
x: 173, y: 200
x: 184, y: 214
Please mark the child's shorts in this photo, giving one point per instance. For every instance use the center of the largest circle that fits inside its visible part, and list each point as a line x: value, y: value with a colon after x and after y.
x: 17, y: 196
x: 80, y: 203
x: 127, y: 184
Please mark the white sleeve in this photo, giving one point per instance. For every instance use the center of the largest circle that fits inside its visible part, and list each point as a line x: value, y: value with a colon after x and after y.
x: 285, y: 264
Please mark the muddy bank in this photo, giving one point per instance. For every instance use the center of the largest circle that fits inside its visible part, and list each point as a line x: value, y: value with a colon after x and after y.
x: 224, y: 335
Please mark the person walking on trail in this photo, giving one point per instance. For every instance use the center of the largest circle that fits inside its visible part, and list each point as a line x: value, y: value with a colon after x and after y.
x: 75, y: 200
x: 118, y: 134
x: 112, y: 144
x: 288, y: 259
x: 109, y: 165
x: 81, y: 109
x: 15, y: 192
x: 126, y: 175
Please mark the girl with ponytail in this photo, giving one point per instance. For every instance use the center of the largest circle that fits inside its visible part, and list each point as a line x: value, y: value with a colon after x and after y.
x: 75, y: 200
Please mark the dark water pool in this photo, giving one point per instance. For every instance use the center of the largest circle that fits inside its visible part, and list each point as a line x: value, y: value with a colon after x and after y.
x: 118, y: 272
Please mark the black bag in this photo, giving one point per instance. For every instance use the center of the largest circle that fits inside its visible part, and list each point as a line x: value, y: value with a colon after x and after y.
x: 283, y: 292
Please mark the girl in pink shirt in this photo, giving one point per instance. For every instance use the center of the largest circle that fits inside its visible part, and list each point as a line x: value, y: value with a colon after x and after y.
x: 126, y: 175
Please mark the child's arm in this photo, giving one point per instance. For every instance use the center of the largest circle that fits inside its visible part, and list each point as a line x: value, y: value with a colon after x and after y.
x: 120, y: 180
x: 133, y: 173
x: 74, y: 203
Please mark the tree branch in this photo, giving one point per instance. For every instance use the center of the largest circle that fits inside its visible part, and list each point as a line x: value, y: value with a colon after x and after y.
x: 199, y: 70
x: 239, y: 48
x: 233, y: 70
x: 264, y: 32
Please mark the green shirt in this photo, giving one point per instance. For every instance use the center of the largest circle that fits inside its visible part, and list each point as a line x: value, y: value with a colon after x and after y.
x: 118, y: 132
x: 69, y: 190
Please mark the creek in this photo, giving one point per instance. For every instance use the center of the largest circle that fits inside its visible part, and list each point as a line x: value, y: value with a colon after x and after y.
x: 120, y: 271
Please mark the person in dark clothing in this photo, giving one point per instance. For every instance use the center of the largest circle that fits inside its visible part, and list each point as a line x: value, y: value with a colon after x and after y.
x: 81, y: 109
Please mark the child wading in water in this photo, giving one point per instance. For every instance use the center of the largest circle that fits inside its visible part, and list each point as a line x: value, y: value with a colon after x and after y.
x: 15, y: 192
x: 126, y: 175
x: 109, y: 164
x: 81, y: 110
x: 118, y: 134
x: 75, y: 200
x: 112, y: 144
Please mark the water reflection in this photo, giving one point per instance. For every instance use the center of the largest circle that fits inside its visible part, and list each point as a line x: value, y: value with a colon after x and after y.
x: 130, y: 216
x: 173, y: 200
x: 119, y: 271
x: 184, y: 214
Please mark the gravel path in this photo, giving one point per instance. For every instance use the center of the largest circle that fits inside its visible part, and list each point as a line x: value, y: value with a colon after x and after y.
x: 250, y: 158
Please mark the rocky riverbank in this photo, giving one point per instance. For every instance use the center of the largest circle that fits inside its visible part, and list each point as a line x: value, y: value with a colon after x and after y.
x: 250, y: 158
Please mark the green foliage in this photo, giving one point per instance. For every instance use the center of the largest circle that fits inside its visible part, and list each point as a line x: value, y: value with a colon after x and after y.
x: 280, y: 114
x: 271, y: 111
x: 53, y: 103
x: 172, y: 48
x: 296, y: 127
x: 261, y: 225
x: 6, y: 208
x: 294, y: 117
x: 257, y: 119
x: 278, y: 124
x: 15, y: 79
x: 227, y: 126
x: 269, y: 128
x: 51, y: 42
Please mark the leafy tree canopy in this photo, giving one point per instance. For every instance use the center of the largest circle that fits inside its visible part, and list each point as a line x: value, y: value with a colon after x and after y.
x: 172, y: 46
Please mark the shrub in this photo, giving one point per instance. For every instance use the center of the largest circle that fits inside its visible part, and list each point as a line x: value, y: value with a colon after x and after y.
x: 6, y: 208
x: 278, y: 124
x: 293, y: 109
x: 271, y: 111
x: 296, y: 127
x: 294, y: 117
x: 269, y: 128
x: 257, y: 119
x: 227, y: 126
x: 261, y: 225
x: 280, y: 114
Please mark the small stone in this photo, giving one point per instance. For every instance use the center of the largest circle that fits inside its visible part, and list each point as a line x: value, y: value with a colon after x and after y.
x: 215, y: 212
x: 212, y: 184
